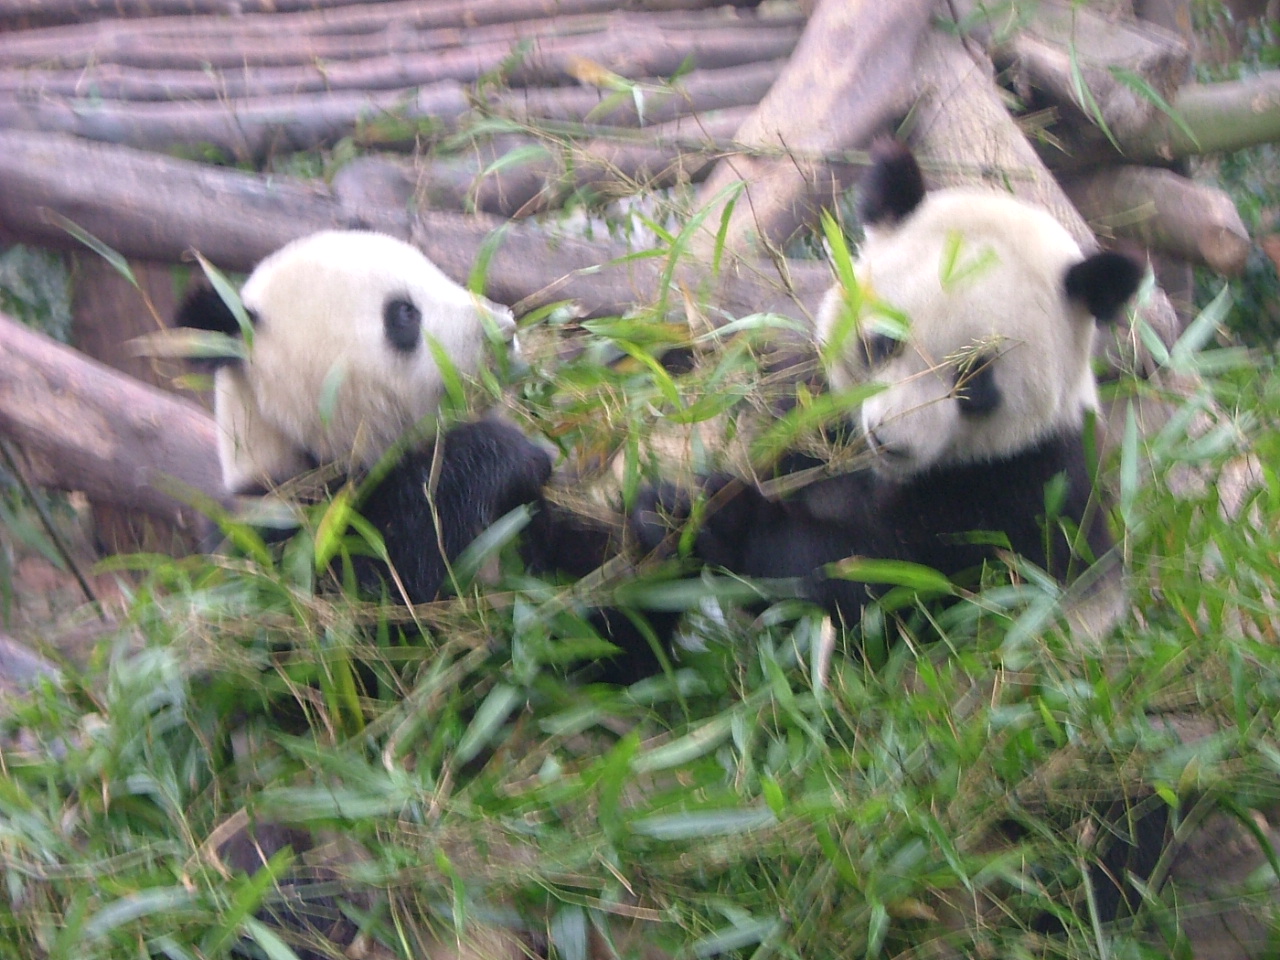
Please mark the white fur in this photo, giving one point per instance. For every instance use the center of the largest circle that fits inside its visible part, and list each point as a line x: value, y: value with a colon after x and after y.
x: 319, y: 306
x: 1003, y: 296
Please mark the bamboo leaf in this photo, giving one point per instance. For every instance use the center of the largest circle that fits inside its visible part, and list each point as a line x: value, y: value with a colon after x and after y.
x: 704, y: 823
x: 493, y: 713
x: 107, y: 253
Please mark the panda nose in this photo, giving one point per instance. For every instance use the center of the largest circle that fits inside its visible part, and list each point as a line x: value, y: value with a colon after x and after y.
x: 887, y: 450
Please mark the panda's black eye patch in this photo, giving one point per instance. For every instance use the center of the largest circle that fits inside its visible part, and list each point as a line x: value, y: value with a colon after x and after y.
x: 976, y: 389
x: 402, y: 325
x: 879, y: 347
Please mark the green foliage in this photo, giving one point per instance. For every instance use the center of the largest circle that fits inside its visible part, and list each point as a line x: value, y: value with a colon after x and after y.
x: 752, y: 802
x: 929, y: 788
x: 1250, y: 176
x: 35, y: 287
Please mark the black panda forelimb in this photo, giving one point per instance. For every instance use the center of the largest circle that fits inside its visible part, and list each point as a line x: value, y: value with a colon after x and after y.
x: 435, y: 501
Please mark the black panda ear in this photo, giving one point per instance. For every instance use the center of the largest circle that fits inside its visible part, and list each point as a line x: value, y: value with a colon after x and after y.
x: 203, y: 309
x: 1103, y: 283
x: 893, y: 186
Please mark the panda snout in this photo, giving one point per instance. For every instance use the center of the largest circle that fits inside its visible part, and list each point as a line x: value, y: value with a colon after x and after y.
x: 890, y: 451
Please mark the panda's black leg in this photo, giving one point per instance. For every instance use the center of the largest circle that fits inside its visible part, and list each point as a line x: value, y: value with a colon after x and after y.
x: 428, y: 512
x: 559, y: 541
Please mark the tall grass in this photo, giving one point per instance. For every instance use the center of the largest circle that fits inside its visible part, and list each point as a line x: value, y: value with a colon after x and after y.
x: 940, y: 795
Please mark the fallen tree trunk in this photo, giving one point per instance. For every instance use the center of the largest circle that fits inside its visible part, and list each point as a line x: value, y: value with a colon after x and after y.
x: 630, y: 46
x: 1213, y: 118
x: 680, y: 151
x: 1096, y: 63
x: 661, y: 101
x: 83, y: 426
x: 158, y: 208
x: 224, y: 43
x: 1166, y: 212
x: 341, y: 16
x: 246, y: 130
x: 849, y: 77
x: 252, y: 129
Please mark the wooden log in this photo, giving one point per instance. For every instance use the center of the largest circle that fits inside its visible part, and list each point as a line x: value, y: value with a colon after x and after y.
x: 1164, y: 211
x: 153, y: 207
x: 1215, y: 118
x: 1211, y: 118
x: 851, y: 73
x: 612, y: 163
x: 967, y: 136
x: 695, y: 92
x: 631, y: 45
x: 245, y: 130
x: 1092, y: 61
x: 158, y: 208
x: 249, y: 130
x: 82, y: 426
x: 224, y: 43
x: 344, y: 16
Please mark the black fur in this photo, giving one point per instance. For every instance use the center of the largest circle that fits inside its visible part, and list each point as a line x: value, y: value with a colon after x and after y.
x: 486, y: 469
x: 203, y: 309
x: 1103, y: 283
x: 953, y: 519
x: 892, y: 187
x: 402, y: 325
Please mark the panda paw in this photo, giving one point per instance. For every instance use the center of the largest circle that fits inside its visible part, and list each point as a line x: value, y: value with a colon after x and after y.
x: 659, y: 512
x: 499, y: 462
x: 726, y: 507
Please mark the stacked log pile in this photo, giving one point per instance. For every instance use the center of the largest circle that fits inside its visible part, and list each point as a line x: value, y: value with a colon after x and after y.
x: 477, y: 112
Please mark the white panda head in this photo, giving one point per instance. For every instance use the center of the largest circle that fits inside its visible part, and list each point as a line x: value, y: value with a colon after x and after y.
x: 984, y: 340
x: 340, y: 364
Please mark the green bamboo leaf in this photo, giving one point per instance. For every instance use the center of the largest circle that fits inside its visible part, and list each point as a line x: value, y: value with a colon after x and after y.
x: 680, y: 751
x: 135, y: 906
x: 449, y: 375
x: 187, y: 343
x: 301, y: 804
x: 1139, y: 85
x: 1130, y: 463
x: 704, y: 823
x: 901, y: 573
x: 333, y: 527
x: 227, y: 293
x: 491, y: 540
x: 268, y: 940
x: 478, y: 278
x: 735, y: 938
x: 1087, y: 101
x: 687, y: 594
x: 493, y: 713
x: 107, y: 253
x: 1200, y: 331
x: 246, y: 898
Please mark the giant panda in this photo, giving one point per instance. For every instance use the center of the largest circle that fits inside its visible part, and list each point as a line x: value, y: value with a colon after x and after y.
x: 338, y: 365
x: 339, y: 361
x: 978, y: 319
